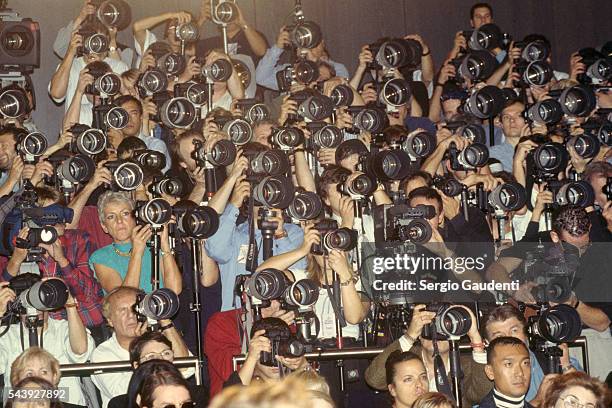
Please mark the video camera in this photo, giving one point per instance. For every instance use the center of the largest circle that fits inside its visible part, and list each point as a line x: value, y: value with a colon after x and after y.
x: 19, y: 43
x: 398, y: 223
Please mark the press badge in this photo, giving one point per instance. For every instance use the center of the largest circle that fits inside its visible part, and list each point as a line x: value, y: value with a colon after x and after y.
x: 242, y: 255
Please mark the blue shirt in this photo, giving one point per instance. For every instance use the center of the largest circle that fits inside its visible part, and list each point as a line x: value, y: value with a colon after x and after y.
x: 107, y: 256
x: 537, y: 375
x: 504, y: 152
x: 267, y: 68
x: 228, y: 247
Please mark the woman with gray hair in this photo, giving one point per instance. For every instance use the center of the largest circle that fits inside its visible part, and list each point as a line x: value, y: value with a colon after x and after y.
x: 125, y: 262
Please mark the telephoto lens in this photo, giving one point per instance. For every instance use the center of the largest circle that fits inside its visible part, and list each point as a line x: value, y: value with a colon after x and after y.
x: 342, y: 239
x: 223, y: 153
x: 306, y: 34
x: 302, y: 294
x: 187, y: 32
x: 31, y: 145
x: 342, y: 95
x: 150, y: 160
x: 94, y: 43
x: 196, y: 221
x: 399, y: 52
x: 474, y: 155
x: 451, y: 187
x: 451, y: 321
x: 535, y: 51
x: 172, y: 64
x: 195, y: 92
x: 87, y: 141
x: 360, y: 186
x: 252, y: 110
x: 272, y: 162
x: 324, y: 135
x: 368, y: 119
x: 274, y: 192
x: 477, y: 66
x: 578, y: 193
x: 287, y: 137
x: 486, y: 102
x: 316, y: 107
x: 219, y: 71
x: 158, y: 305
x: 306, y: 205
x: 419, y: 145
x: 108, y: 84
x: 239, y: 131
x: 155, y: 212
x: 537, y: 73
x: 390, y: 164
x: 545, y: 112
x: 44, y: 235
x: 413, y: 230
x: 167, y: 185
x: 116, y: 118
x: 50, y: 294
x: 559, y: 324
x: 551, y: 158
x: 115, y: 13
x: 178, y: 113
x: 266, y: 284
x: 508, y: 197
x: 585, y: 145
x: 127, y: 175
x: 14, y: 103
x: 600, y: 70
x: 78, y: 169
x: 486, y: 37
x: 151, y: 81
x: 578, y: 100
x: 395, y: 92
x: 224, y: 12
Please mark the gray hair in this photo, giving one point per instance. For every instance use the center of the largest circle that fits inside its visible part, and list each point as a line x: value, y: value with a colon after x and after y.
x: 110, y: 197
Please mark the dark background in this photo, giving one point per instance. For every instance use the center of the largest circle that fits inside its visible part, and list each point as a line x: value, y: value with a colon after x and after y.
x: 347, y: 25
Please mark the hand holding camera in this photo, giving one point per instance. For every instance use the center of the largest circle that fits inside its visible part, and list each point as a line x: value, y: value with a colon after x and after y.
x: 420, y: 317
x: 141, y: 234
x: 7, y: 295
x: 259, y: 343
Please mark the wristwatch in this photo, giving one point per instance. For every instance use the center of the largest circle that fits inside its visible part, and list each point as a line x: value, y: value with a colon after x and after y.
x: 112, y: 49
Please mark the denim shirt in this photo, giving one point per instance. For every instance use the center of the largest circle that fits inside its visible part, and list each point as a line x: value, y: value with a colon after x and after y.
x: 267, y: 68
x: 504, y: 152
x: 228, y: 247
x: 537, y: 375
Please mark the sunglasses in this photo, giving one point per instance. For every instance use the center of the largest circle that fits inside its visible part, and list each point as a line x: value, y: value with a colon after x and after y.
x: 188, y: 404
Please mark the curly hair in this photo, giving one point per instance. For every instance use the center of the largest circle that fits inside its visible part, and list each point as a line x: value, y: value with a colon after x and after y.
x: 572, y: 219
x: 575, y: 379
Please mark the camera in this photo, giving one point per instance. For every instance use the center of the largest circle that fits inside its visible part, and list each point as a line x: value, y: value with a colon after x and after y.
x: 557, y: 324
x: 371, y: 119
x: 534, y: 50
x: 503, y: 198
x: 239, y: 130
x: 473, y: 156
x: 150, y: 160
x: 536, y: 73
x: 33, y: 293
x: 311, y: 106
x: 306, y: 205
x: 155, y: 212
x: 451, y: 322
x: 172, y: 63
x: 585, y: 145
x: 107, y: 116
x: 114, y: 13
x: 127, y: 175
x: 396, y: 53
x: 266, y: 284
x: 151, y: 82
x: 283, y: 343
x: 219, y: 71
x: 253, y: 110
x: 549, y: 158
x: 577, y: 100
x: 546, y: 112
x: 31, y: 146
x: 486, y: 37
x: 395, y: 223
x: 86, y: 140
x: 471, y: 131
x: 71, y: 170
x: 223, y: 12
x: 287, y: 137
x: 324, y: 135
x: 167, y: 185
x: 333, y: 238
x: 174, y: 113
x: 272, y: 162
x: 476, y: 66
x: 300, y: 295
x: 223, y: 153
x: 598, y: 67
x: 158, y: 305
x: 600, y: 127
x: 567, y: 192
x: 486, y: 102
x: 20, y: 42
x: 14, y: 102
x: 360, y: 186
x: 93, y: 42
x: 449, y: 186
x: 419, y: 145
x: 301, y: 72
x: 195, y: 221
x: 305, y: 34
x: 395, y: 92
x: 187, y: 32
x: 389, y: 165
x: 342, y: 95
x: 274, y: 192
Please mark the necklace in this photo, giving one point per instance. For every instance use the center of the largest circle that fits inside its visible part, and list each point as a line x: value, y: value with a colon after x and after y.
x: 121, y: 253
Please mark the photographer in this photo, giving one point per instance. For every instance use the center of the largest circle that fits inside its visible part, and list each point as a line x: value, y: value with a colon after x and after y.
x: 126, y: 262
x: 66, y: 258
x: 120, y: 313
x: 475, y: 384
x: 268, y: 66
x: 67, y: 340
x: 224, y: 92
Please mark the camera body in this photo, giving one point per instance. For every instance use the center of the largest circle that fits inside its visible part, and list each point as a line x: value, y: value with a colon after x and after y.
x: 158, y: 305
x: 34, y: 295
x: 93, y: 41
x: 470, y: 158
x: 333, y: 238
x: 21, y: 42
x: 283, y: 343
x: 397, y: 223
x: 552, y: 326
x: 302, y: 72
x: 451, y: 322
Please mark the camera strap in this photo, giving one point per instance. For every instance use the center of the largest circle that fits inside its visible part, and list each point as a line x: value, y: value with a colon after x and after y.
x: 442, y: 383
x: 334, y: 297
x: 252, y: 253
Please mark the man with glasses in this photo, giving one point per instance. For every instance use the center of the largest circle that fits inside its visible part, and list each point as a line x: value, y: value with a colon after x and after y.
x: 118, y: 308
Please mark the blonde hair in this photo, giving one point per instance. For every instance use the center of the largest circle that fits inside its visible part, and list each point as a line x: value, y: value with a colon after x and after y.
x: 106, y: 305
x: 291, y: 392
x: 33, y: 353
x: 433, y: 400
x: 113, y: 197
x: 312, y: 381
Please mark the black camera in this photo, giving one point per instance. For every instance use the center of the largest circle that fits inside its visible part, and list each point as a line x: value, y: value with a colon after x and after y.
x: 371, y: 119
x: 114, y: 13
x: 451, y: 322
x: 305, y: 34
x: 71, y: 170
x: 223, y: 153
x: 577, y: 100
x: 486, y: 102
x: 566, y: 192
x: 151, y: 82
x: 108, y: 116
x: 598, y: 67
x: 476, y: 66
x: 195, y: 221
x: 14, y: 102
x: 549, y: 158
x: 150, y: 161
x: 266, y: 284
x: 599, y: 126
x: 533, y: 51
x: 419, y: 145
x: 174, y: 113
x: 253, y: 110
x: 238, y: 129
x: 273, y: 162
x: 93, y: 42
x: 503, y: 198
x: 394, y: 92
x: 219, y: 71
x: 31, y: 146
x: 557, y: 324
x: 311, y: 105
x: 546, y: 112
x: 33, y: 293
x: 283, y: 343
x: 306, y: 205
x: 158, y: 305
x: 127, y: 175
x: 187, y: 32
x: 473, y: 132
x: 333, y: 238
x: 324, y: 135
x: 342, y: 95
x: 301, y: 72
x: 155, y: 212
x: 395, y: 223
x: 536, y: 73
x: 86, y: 140
x: 473, y: 156
x: 396, y: 53
x: 274, y: 192
x: 20, y: 39
x: 167, y: 185
x: 287, y: 137
x: 449, y: 186
x: 359, y: 187
x: 172, y: 63
x: 486, y: 37
x: 195, y: 92
x: 585, y: 145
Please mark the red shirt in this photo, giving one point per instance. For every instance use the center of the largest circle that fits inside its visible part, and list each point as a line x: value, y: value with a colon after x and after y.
x: 221, y: 343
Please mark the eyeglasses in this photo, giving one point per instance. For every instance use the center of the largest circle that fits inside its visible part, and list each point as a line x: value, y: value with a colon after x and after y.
x: 164, y: 355
x: 188, y: 404
x: 571, y: 401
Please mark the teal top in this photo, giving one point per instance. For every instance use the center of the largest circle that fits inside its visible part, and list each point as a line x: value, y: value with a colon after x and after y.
x: 107, y: 256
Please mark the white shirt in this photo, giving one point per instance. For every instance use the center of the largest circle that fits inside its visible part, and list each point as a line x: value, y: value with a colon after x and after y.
x: 224, y: 102
x: 78, y: 64
x: 55, y: 341
x: 325, y: 312
x: 150, y: 38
